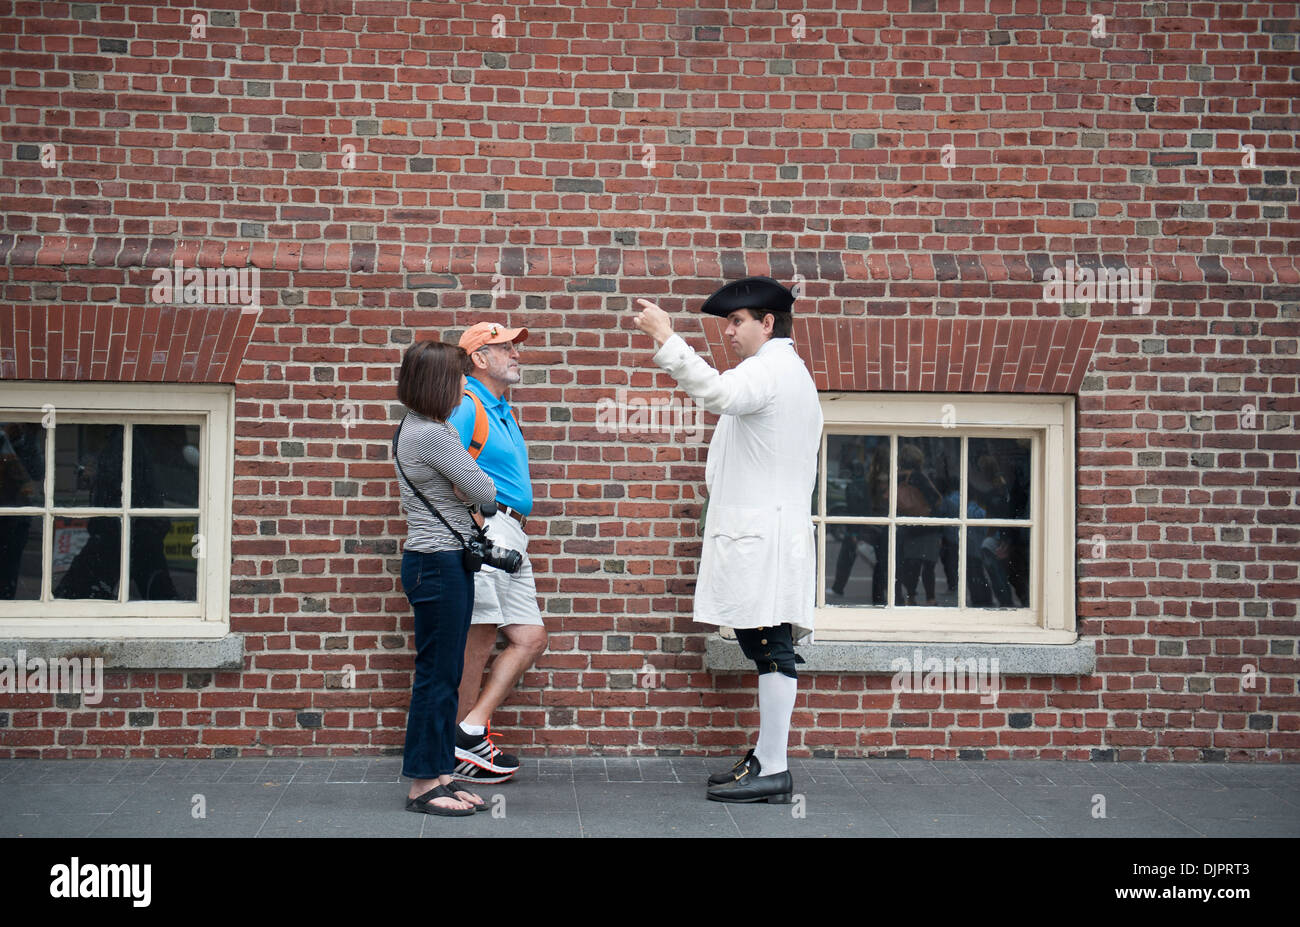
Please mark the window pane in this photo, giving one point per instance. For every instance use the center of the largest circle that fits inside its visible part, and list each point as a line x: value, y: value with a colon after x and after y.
x: 87, y: 557
x: 817, y: 483
x: 920, y: 562
x: 997, y: 567
x: 88, y: 468
x: 857, y: 475
x: 857, y: 564
x: 998, y: 477
x: 928, y: 471
x: 163, y: 565
x: 165, y: 466
x: 22, y: 464
x: 20, y: 556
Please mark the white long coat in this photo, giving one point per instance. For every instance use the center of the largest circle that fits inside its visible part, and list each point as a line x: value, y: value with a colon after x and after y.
x: 758, y: 563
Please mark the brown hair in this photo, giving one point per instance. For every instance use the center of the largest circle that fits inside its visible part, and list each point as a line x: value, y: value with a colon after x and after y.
x: 782, y: 322
x: 429, y: 382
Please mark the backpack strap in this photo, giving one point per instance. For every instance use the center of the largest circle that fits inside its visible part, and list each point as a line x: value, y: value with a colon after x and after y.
x: 478, y: 437
x: 482, y: 425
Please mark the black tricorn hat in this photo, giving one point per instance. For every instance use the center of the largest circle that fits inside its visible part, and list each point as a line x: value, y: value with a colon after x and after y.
x: 749, y: 293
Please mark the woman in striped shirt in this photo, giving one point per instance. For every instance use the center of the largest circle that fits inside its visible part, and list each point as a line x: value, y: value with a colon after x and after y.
x: 440, y: 590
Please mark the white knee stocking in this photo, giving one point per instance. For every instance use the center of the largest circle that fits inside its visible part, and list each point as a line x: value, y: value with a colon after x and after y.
x: 776, y: 693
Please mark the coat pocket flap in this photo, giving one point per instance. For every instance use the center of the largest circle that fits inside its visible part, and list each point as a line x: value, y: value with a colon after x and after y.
x: 734, y: 521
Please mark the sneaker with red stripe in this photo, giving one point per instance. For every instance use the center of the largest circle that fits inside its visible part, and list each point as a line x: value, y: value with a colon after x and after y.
x: 479, y: 760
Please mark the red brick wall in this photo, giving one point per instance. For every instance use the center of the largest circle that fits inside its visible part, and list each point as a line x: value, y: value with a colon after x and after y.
x: 821, y: 155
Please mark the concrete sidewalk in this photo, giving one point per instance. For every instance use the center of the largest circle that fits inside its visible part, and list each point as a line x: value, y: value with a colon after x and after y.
x: 652, y: 797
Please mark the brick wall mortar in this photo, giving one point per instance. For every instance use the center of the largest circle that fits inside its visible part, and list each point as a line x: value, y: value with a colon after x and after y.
x: 1123, y: 151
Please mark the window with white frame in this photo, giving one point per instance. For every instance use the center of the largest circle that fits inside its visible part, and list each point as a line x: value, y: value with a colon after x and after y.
x: 946, y: 517
x: 115, y: 510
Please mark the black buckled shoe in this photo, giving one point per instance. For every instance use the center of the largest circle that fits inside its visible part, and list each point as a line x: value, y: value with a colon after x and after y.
x: 749, y: 786
x: 723, y: 778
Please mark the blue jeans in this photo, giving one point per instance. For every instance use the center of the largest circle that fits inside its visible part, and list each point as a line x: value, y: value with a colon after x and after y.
x: 442, y: 595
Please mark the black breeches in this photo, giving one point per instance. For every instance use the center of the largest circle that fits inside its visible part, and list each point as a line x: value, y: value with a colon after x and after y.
x: 771, y: 649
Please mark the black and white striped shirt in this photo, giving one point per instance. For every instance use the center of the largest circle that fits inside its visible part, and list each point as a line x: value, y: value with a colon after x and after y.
x: 437, y: 463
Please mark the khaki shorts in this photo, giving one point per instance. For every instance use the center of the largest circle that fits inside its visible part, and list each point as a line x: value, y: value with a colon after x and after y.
x: 502, y: 598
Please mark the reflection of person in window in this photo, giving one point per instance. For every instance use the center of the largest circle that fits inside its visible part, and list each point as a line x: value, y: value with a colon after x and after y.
x: 994, y: 552
x: 918, y: 544
x: 22, y: 462
x: 94, y: 572
x: 1000, y: 550
x: 994, y: 487
x: 1017, y: 561
x: 866, y: 495
x: 950, y: 507
x: 978, y: 594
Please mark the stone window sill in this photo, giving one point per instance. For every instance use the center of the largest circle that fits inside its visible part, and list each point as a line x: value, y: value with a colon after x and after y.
x: 1077, y: 659
x: 223, y: 653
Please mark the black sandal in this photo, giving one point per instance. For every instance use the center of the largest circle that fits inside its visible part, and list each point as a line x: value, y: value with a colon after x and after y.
x: 481, y: 806
x: 424, y: 803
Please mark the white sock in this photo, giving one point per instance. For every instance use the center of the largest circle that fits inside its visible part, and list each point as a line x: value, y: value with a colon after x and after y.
x: 776, y: 693
x: 478, y: 730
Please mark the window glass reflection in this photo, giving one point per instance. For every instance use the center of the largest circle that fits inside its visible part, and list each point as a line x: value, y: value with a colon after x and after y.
x: 857, y: 475
x: 997, y: 565
x: 927, y: 565
x: 22, y: 463
x: 920, y: 554
x: 165, y: 466
x: 998, y: 476
x: 20, y: 556
x: 87, y: 557
x: 162, y: 564
x: 817, y: 485
x: 857, y: 564
x: 928, y: 475
x: 88, y: 465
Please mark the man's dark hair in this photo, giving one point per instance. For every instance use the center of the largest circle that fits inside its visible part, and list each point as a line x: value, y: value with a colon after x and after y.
x: 782, y: 322
x: 429, y: 382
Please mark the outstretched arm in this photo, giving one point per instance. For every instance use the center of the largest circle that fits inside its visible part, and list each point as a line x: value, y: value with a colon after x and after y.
x: 739, y: 391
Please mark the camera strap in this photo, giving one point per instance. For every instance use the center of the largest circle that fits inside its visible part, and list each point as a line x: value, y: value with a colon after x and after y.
x: 419, y: 495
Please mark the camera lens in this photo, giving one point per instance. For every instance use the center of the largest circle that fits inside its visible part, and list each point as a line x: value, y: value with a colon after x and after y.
x: 508, y: 560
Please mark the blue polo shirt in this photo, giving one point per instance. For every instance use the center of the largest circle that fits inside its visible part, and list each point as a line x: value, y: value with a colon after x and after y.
x: 504, y: 456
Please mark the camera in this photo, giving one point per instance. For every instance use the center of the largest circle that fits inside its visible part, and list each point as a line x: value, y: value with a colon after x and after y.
x: 480, y: 550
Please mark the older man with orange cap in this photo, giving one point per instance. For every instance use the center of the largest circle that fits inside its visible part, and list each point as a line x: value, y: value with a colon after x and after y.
x: 506, y: 601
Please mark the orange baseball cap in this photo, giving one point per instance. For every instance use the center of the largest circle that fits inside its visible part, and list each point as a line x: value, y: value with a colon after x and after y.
x: 481, y: 333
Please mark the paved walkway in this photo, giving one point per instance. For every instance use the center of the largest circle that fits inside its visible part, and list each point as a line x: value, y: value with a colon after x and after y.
x: 594, y: 797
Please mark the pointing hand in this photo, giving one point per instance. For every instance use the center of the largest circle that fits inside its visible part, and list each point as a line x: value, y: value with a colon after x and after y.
x: 654, y: 321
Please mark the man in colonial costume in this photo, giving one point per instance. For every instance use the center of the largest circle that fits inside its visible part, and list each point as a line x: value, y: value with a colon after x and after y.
x: 757, y: 564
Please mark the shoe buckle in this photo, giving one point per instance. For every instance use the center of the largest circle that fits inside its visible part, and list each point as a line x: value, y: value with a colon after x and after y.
x: 743, y: 773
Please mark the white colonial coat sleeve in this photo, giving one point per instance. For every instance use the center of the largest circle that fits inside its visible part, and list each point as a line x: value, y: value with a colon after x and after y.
x: 739, y: 391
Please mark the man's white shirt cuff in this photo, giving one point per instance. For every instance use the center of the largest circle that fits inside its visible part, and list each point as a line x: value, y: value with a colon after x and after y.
x: 671, y: 351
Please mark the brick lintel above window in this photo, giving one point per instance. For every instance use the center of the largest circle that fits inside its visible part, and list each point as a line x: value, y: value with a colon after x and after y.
x: 125, y: 344
x: 935, y: 355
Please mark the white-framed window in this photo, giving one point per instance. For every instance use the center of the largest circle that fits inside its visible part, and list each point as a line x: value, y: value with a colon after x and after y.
x: 115, y: 510
x: 946, y: 517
